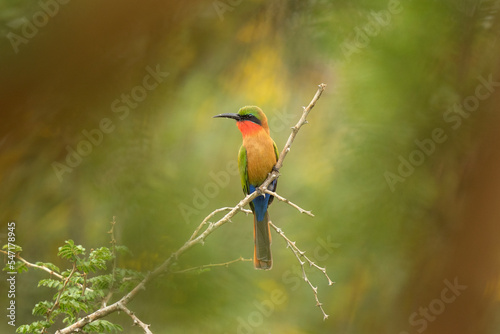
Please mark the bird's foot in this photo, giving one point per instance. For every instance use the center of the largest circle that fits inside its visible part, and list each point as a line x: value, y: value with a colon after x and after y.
x: 261, y: 192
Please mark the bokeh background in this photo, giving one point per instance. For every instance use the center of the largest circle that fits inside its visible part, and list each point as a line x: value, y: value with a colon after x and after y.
x: 400, y: 161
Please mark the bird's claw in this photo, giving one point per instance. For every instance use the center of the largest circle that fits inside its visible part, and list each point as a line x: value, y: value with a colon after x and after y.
x: 260, y: 192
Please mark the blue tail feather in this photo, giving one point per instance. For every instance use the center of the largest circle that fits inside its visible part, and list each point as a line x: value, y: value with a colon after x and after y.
x: 260, y: 203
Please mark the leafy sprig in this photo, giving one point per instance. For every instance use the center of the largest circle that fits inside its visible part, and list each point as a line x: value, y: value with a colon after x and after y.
x: 89, y: 280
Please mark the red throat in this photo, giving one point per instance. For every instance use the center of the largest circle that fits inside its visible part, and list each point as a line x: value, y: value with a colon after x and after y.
x: 248, y: 127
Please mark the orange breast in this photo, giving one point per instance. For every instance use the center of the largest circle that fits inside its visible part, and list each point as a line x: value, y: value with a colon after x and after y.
x: 260, y: 156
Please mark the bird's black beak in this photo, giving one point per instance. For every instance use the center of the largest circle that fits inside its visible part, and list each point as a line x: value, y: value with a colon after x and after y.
x: 229, y: 115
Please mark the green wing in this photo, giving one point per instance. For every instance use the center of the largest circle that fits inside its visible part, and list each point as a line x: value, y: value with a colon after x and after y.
x: 242, y: 165
x: 276, y: 151
x: 276, y: 182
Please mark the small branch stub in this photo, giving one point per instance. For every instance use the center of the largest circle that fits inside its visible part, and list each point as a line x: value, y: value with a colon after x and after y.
x: 289, y: 203
x: 301, y: 254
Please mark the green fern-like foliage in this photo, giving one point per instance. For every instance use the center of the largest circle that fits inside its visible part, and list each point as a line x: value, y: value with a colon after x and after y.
x: 79, y: 289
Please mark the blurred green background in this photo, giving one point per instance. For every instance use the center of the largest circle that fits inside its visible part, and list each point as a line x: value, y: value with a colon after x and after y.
x: 400, y: 161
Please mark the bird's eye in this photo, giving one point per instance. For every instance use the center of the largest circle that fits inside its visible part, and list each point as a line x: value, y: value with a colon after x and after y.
x: 251, y: 118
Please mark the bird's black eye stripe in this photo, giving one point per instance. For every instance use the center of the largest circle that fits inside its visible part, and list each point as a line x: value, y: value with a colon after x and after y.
x: 251, y: 118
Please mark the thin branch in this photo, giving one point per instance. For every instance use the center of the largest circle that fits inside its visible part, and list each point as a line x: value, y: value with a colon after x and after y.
x: 136, y: 320
x: 100, y: 313
x: 197, y: 237
x: 32, y: 265
x: 84, y: 285
x: 44, y: 268
x: 106, y: 299
x: 301, y: 254
x: 56, y: 303
x: 225, y: 264
x: 309, y: 213
x: 204, y: 222
x: 66, y: 281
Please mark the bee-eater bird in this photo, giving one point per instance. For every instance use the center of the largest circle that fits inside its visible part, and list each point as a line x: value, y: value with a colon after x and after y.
x: 257, y: 156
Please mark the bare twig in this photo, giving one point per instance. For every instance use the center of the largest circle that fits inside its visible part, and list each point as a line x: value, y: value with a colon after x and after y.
x: 136, y: 320
x: 301, y: 254
x: 106, y: 299
x: 44, y: 268
x: 32, y: 265
x: 199, y: 237
x: 309, y: 213
x: 204, y: 222
x: 225, y: 264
